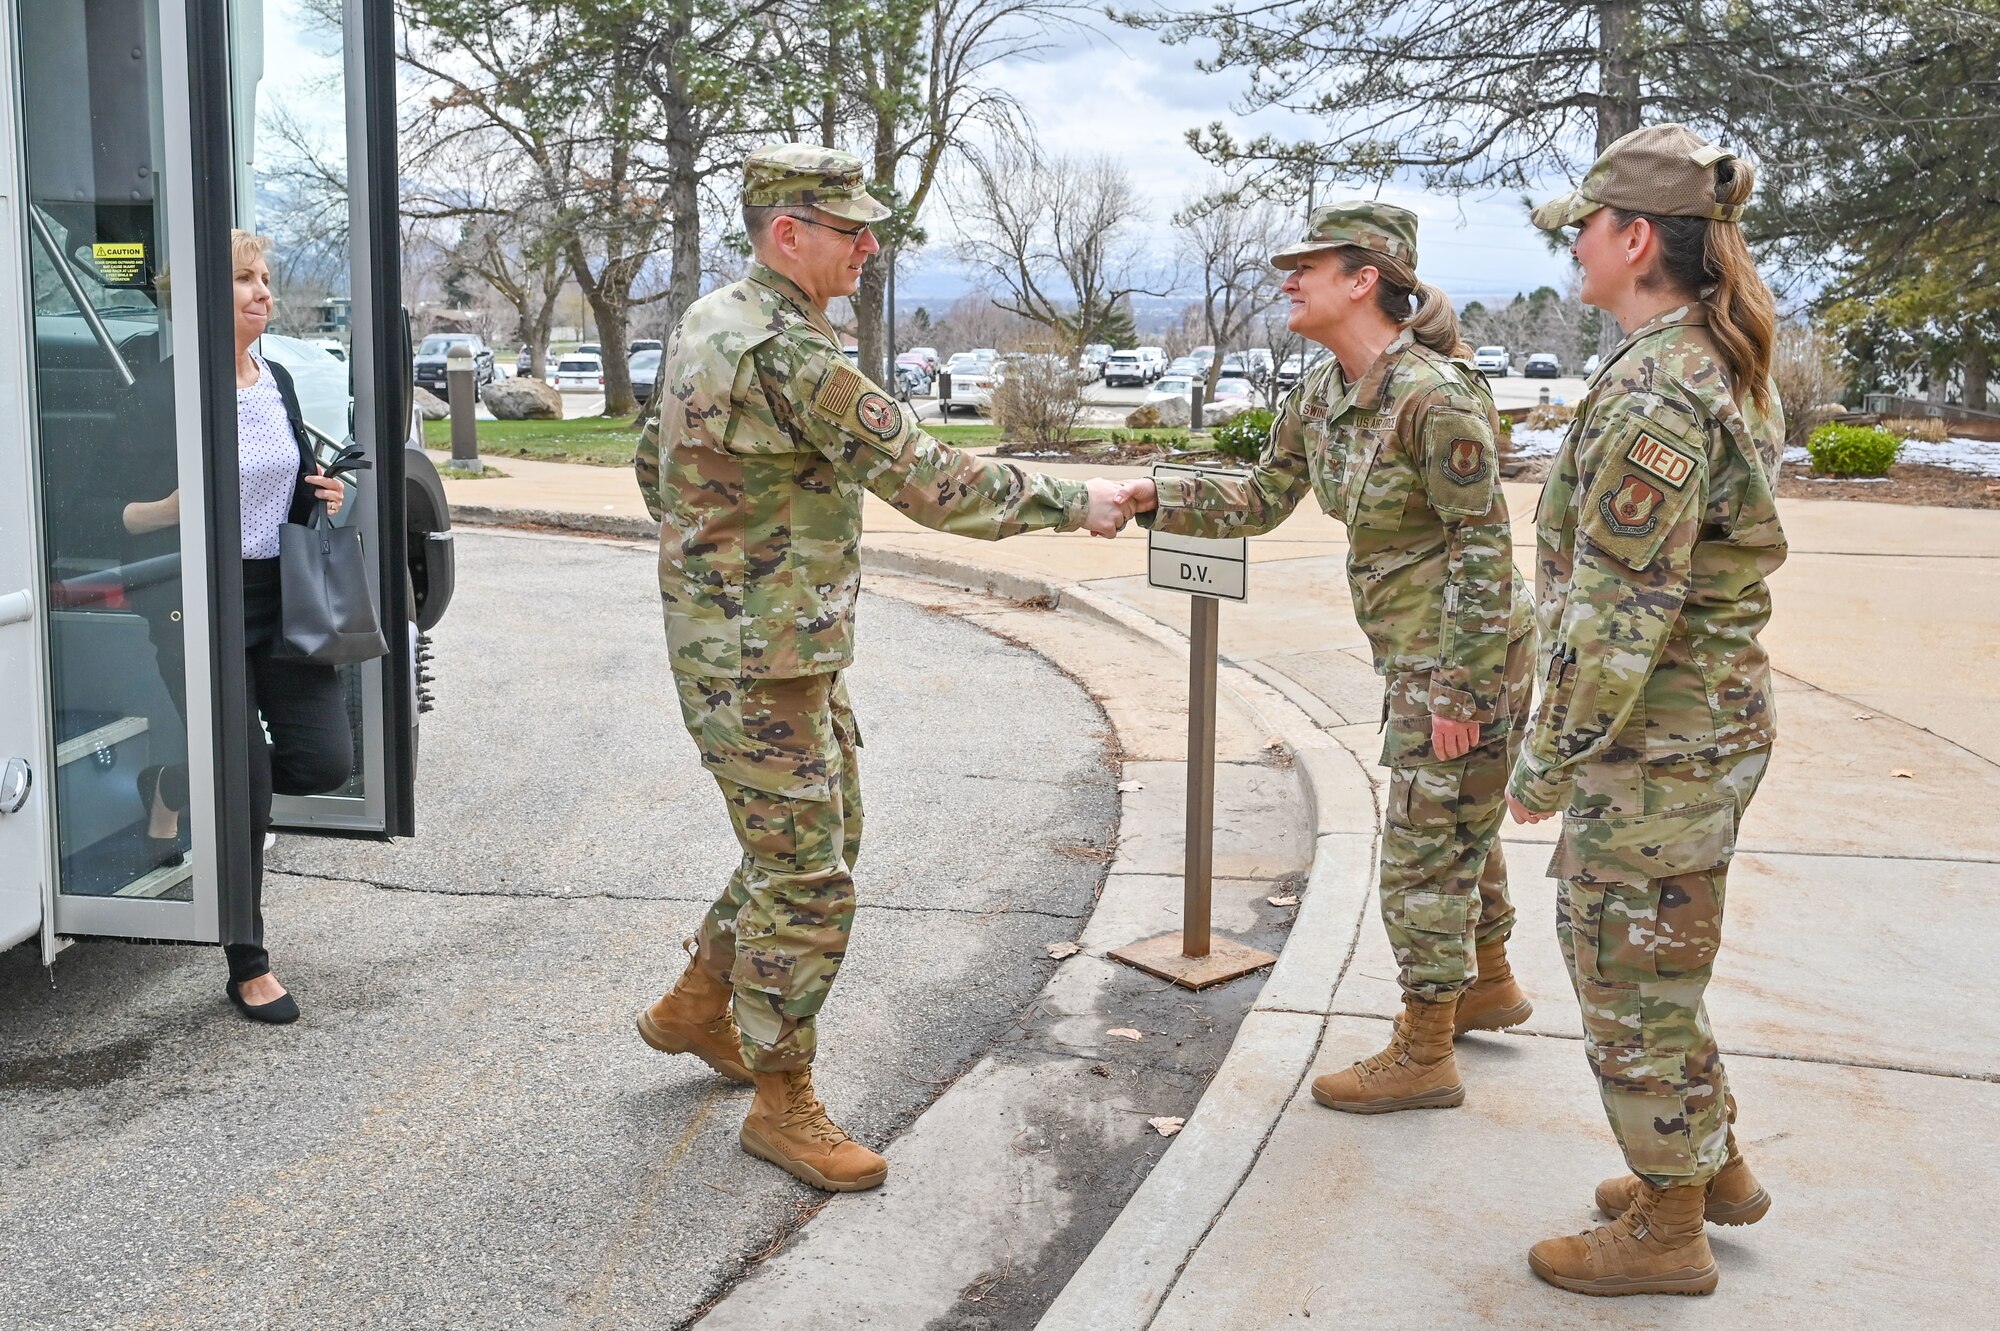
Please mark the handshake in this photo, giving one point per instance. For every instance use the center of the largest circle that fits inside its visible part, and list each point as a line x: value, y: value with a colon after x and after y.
x: 1113, y: 504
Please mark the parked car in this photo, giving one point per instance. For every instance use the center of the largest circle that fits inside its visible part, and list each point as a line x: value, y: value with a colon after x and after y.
x: 913, y: 366
x: 577, y: 372
x: 1186, y: 365
x: 1590, y: 366
x: 1542, y: 365
x: 1156, y: 360
x: 1235, y: 366
x: 972, y: 387
x: 332, y: 346
x: 591, y: 349
x: 639, y: 344
x: 1170, y: 386
x: 645, y: 373
x: 1126, y: 369
x: 1262, y: 364
x: 523, y: 362
x: 932, y: 361
x: 1092, y: 358
x: 1491, y: 361
x: 1293, y: 368
x: 1234, y: 390
x: 429, y: 364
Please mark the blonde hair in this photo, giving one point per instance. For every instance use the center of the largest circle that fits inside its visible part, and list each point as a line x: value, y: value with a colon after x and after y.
x: 245, y: 247
x: 1710, y: 261
x: 1412, y: 304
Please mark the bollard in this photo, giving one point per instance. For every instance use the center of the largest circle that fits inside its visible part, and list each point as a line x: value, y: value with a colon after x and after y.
x: 1545, y: 396
x: 944, y: 395
x: 1195, y: 397
x: 462, y: 395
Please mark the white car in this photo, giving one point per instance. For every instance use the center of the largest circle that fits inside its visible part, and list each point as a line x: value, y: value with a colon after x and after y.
x: 1125, y: 369
x: 1491, y: 361
x: 1155, y: 358
x: 1235, y: 391
x: 1170, y: 386
x: 579, y: 374
x: 332, y: 346
x: 971, y: 389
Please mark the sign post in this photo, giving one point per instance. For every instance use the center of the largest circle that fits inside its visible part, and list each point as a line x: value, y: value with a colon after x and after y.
x: 1208, y: 569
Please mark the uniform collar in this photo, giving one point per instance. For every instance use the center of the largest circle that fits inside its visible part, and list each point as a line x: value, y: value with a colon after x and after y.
x: 1373, y: 387
x: 791, y: 291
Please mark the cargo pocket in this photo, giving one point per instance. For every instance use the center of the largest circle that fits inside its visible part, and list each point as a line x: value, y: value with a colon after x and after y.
x: 763, y: 970
x: 1422, y: 798
x: 774, y: 736
x: 1634, y: 850
x: 1645, y: 893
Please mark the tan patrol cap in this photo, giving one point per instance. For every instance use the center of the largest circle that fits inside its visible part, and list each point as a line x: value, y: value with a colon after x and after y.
x: 808, y: 175
x: 1665, y: 170
x: 1382, y: 227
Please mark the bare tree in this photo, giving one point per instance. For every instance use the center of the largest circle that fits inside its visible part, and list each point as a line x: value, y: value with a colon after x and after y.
x: 1056, y: 236
x: 1226, y: 243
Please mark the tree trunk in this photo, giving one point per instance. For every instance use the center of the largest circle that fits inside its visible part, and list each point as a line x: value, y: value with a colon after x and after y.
x: 870, y: 302
x: 1618, y: 104
x: 1978, y: 368
x: 610, y: 304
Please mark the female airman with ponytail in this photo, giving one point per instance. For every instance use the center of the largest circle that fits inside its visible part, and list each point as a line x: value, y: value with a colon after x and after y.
x: 1395, y: 435
x: 1656, y: 532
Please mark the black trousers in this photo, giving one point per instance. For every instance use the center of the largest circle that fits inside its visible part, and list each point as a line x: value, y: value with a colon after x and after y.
x: 311, y: 748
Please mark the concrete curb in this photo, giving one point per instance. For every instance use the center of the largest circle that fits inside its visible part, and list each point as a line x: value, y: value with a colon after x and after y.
x: 595, y: 524
x: 1129, y: 1274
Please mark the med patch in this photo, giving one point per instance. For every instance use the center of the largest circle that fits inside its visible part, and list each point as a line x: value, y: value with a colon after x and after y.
x: 1660, y: 460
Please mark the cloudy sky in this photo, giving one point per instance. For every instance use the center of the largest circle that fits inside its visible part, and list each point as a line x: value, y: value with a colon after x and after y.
x: 1112, y: 90
x: 1127, y: 94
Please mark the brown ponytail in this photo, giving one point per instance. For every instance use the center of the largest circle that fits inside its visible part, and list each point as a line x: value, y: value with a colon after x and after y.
x: 1710, y: 261
x: 1418, y: 306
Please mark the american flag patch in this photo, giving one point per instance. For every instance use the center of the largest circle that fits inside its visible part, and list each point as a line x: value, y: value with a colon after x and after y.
x: 837, y: 391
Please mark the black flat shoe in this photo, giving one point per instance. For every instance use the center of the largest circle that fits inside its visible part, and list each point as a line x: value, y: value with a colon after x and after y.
x: 280, y: 1011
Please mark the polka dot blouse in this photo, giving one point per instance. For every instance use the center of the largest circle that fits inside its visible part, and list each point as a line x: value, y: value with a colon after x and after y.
x: 267, y: 457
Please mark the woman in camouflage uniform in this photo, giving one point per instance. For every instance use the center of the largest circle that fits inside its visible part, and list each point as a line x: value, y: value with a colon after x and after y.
x: 1656, y: 532
x: 1395, y: 437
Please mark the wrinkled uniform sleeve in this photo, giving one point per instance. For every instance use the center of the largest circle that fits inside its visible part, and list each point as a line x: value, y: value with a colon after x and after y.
x: 646, y: 459
x: 1641, y: 480
x: 1460, y: 466
x: 1219, y: 506
x: 874, y: 442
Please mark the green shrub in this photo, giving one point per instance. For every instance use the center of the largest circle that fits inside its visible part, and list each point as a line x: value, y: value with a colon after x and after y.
x: 1243, y: 436
x: 1852, y: 450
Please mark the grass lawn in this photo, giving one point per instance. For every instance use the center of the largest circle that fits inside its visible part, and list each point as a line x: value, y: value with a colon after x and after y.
x: 594, y: 440
x: 598, y: 442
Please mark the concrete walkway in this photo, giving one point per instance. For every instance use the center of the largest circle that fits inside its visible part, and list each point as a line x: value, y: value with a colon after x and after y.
x: 1858, y: 994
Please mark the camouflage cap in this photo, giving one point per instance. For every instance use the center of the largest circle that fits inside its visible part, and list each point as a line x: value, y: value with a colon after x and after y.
x: 1665, y: 170
x: 1382, y: 227
x: 810, y: 176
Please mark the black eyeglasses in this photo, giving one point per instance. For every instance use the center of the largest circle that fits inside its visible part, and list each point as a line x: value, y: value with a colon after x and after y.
x: 838, y: 230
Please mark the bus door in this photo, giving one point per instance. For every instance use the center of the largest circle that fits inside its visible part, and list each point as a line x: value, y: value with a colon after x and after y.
x: 125, y: 149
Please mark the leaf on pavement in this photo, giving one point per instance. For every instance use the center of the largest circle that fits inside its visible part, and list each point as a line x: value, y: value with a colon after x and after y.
x: 1904, y: 772
x: 1283, y: 901
x: 1125, y: 1033
x: 1864, y: 716
x: 1061, y: 950
x: 1165, y: 1126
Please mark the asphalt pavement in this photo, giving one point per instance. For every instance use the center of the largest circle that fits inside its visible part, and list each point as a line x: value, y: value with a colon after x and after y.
x: 464, y: 1130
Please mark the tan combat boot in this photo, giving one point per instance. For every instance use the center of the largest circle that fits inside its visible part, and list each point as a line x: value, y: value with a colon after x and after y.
x: 1734, y: 1196
x: 1416, y: 1071
x: 1656, y: 1247
x: 1493, y: 1002
x: 693, y: 1018
x: 788, y: 1126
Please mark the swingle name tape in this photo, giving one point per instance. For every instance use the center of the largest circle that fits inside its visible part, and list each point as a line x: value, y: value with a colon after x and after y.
x: 1195, y: 564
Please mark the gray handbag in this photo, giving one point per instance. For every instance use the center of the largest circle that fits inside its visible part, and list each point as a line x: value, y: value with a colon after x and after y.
x: 326, y: 607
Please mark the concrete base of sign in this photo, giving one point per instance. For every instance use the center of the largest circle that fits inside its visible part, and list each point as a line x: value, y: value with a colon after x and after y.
x: 1162, y: 956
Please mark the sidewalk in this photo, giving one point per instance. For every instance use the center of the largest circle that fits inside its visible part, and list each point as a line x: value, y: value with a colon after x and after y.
x: 1858, y: 995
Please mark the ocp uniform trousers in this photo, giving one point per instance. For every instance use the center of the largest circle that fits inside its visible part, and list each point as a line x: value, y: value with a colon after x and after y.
x: 783, y: 752
x: 1643, y: 862
x: 1443, y: 880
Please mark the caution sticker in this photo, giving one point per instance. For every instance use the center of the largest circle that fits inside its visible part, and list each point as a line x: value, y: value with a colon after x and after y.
x: 120, y: 262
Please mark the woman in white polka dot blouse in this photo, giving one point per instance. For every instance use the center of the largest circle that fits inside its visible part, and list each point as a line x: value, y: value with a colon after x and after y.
x: 310, y: 750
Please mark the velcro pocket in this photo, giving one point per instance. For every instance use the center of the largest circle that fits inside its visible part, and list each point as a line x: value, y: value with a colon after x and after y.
x: 1635, y: 850
x: 1438, y: 912
x: 1460, y: 461
x: 774, y: 736
x: 1650, y: 467
x: 1428, y: 796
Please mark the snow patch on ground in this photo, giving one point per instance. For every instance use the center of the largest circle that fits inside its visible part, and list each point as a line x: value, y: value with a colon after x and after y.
x: 1978, y: 457
x: 1537, y: 443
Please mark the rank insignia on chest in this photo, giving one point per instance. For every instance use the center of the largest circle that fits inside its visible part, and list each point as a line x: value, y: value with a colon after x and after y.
x: 1466, y: 460
x: 877, y: 415
x: 1633, y: 509
x: 1668, y: 464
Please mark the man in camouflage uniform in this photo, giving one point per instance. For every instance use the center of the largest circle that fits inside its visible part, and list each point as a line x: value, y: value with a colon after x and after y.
x: 1399, y: 446
x: 1656, y: 532
x: 762, y: 442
